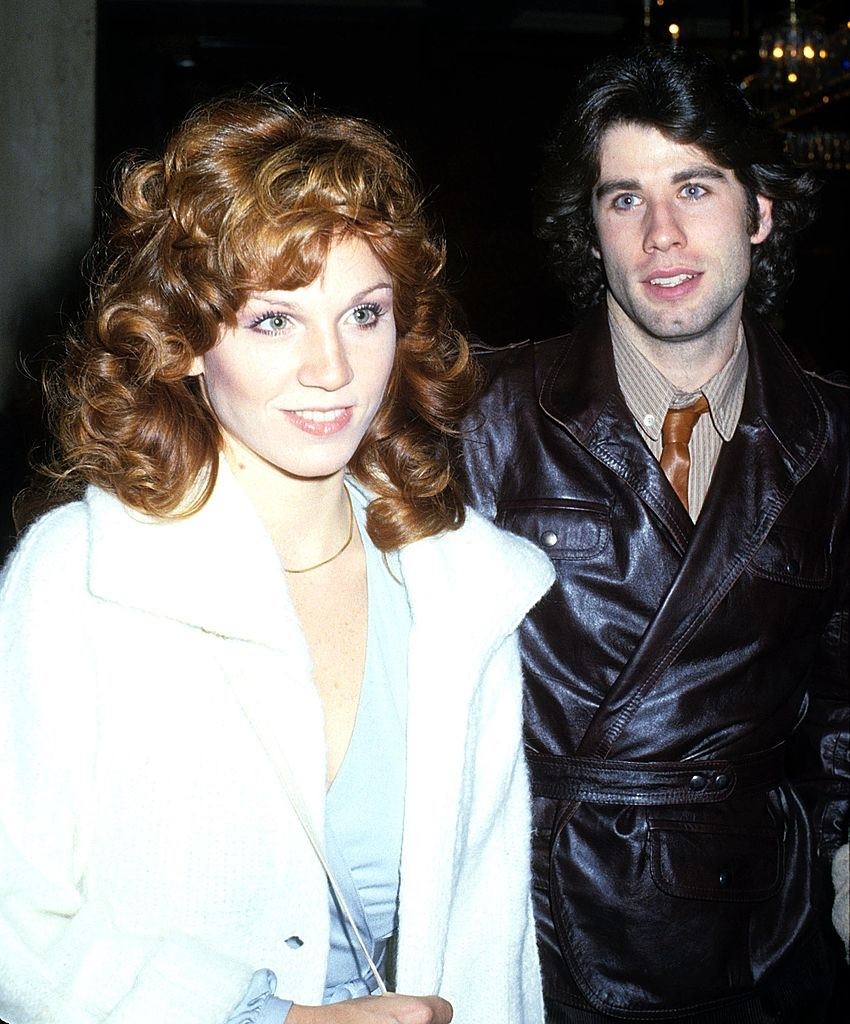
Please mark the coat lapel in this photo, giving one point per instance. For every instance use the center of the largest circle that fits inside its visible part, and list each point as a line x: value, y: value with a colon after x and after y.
x: 581, y: 393
x: 462, y: 608
x: 217, y: 571
x: 756, y: 474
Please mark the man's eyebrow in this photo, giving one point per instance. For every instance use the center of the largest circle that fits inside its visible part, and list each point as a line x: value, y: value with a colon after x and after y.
x: 605, y: 188
x: 699, y: 171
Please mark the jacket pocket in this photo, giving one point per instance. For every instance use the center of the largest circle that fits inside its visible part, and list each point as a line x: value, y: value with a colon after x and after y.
x: 565, y: 528
x: 693, y: 860
x: 793, y: 556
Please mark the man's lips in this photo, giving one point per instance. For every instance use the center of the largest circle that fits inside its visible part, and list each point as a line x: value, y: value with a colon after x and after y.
x: 319, y: 422
x: 673, y: 283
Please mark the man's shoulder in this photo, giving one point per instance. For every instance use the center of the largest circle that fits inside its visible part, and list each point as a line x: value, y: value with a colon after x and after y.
x: 828, y: 391
x: 833, y: 387
x: 518, y: 369
x: 834, y: 392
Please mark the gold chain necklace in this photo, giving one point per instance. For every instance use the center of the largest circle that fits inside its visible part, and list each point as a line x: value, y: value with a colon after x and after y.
x: 318, y: 565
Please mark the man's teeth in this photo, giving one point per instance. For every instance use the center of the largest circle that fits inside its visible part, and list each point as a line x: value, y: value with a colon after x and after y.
x: 671, y: 282
x: 319, y: 415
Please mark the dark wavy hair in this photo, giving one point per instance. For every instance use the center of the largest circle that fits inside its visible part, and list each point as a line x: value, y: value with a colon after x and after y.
x: 249, y: 194
x: 690, y: 100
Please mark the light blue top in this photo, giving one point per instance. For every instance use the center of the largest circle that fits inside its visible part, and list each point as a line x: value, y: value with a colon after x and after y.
x: 364, y: 807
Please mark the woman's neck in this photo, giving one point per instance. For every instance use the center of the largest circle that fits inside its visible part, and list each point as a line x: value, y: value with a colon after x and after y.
x: 308, y: 520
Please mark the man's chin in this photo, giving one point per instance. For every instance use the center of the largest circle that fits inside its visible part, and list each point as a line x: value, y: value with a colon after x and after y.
x: 678, y: 328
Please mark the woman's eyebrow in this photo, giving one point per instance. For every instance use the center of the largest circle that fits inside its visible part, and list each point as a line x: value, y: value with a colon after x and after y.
x: 380, y: 286
x: 284, y: 297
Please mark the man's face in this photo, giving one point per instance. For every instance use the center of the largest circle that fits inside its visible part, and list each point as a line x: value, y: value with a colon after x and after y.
x: 673, y: 235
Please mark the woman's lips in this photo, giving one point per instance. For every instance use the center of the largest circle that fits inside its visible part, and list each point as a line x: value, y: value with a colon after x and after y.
x: 319, y: 422
x: 672, y: 284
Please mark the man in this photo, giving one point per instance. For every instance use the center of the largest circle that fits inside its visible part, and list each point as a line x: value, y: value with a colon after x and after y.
x: 687, y: 720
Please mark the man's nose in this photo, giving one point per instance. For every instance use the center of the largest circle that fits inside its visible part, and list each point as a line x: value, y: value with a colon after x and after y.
x: 663, y: 228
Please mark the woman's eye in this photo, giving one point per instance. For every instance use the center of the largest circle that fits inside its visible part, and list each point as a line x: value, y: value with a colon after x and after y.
x: 271, y: 323
x: 367, y: 315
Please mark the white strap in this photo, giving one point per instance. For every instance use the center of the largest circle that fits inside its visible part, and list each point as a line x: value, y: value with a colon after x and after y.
x: 294, y: 797
x: 301, y: 814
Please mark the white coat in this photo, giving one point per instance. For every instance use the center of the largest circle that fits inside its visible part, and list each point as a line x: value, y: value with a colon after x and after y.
x: 154, y: 687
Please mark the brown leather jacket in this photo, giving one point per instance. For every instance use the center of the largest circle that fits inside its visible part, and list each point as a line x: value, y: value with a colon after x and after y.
x: 687, y: 705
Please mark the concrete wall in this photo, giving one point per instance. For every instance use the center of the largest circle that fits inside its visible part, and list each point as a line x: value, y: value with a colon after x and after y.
x: 46, y: 205
x: 46, y: 168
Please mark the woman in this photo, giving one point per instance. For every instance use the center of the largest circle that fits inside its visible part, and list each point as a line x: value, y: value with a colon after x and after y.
x: 261, y: 701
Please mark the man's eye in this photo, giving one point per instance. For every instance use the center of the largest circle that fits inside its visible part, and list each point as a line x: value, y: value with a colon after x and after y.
x: 271, y: 323
x: 693, y: 191
x: 626, y: 202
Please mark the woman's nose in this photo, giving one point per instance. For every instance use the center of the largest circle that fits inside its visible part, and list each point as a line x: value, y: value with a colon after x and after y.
x: 325, y: 363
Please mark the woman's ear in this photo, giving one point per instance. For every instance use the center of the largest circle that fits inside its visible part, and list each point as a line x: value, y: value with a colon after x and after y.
x: 197, y: 367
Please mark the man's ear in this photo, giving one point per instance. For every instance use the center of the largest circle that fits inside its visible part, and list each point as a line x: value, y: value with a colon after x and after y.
x: 765, y: 224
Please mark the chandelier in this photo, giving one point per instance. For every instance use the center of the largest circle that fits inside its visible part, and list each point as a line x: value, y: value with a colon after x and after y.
x: 803, y: 82
x: 793, y: 54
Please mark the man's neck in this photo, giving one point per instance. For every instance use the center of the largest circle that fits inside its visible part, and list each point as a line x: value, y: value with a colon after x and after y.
x: 686, y: 362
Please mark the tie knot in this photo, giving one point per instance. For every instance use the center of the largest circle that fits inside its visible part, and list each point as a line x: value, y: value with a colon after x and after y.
x: 679, y: 423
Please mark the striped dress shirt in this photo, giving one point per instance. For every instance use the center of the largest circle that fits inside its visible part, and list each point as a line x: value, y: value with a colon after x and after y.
x: 649, y: 395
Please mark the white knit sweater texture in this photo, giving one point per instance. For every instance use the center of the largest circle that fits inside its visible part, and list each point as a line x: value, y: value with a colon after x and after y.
x: 154, y: 685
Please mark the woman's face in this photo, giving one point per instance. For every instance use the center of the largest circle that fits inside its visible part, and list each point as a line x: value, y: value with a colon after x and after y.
x: 297, y: 382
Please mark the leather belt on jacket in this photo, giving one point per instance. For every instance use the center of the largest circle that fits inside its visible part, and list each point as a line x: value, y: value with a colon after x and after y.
x: 601, y: 781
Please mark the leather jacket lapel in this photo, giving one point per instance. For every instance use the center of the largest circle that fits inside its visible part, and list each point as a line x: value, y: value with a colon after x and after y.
x: 755, y: 476
x: 581, y: 393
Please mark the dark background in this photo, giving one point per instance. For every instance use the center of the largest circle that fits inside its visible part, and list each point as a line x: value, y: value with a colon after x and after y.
x: 472, y: 90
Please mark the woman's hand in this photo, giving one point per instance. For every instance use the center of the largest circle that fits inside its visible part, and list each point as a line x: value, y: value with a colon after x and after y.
x: 389, y: 1009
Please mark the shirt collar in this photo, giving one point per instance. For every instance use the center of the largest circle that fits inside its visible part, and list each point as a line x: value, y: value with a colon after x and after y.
x: 649, y: 394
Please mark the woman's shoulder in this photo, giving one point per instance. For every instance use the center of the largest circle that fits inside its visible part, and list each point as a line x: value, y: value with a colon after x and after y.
x: 55, y: 549
x: 479, y: 538
x: 480, y: 565
x: 55, y: 539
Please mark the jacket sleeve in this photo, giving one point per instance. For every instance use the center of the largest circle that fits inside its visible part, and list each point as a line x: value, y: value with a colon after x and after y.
x: 506, y: 405
x: 820, y: 749
x: 63, y: 957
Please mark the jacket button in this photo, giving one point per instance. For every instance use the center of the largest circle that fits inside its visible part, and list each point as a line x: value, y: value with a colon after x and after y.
x: 294, y: 942
x: 698, y: 782
x: 721, y: 781
x: 723, y: 879
x: 792, y: 567
x: 549, y: 539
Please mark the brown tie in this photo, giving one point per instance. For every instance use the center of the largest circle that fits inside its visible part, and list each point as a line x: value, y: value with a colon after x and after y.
x: 675, y: 436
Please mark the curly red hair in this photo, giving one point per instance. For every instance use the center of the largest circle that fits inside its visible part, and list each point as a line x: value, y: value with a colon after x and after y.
x: 249, y: 194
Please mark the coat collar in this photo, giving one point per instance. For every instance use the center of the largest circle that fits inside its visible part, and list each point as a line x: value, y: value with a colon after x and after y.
x: 781, y: 431
x: 478, y: 580
x: 582, y: 393
x: 581, y: 386
x: 217, y: 570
